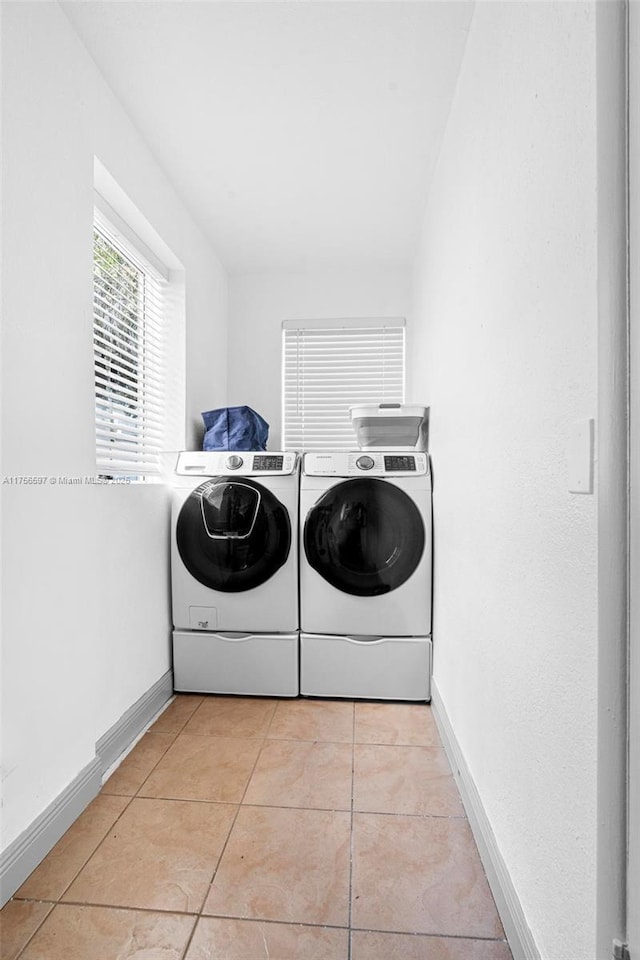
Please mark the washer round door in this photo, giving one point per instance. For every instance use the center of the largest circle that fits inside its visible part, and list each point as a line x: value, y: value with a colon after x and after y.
x: 233, y: 535
x: 364, y: 536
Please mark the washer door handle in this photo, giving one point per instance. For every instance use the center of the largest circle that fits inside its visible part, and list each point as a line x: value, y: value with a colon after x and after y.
x: 232, y: 535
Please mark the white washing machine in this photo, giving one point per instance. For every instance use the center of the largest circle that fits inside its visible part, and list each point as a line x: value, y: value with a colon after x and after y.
x: 365, y: 575
x: 234, y: 567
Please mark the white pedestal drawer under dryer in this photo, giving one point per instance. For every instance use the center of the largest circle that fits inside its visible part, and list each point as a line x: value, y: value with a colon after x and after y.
x: 365, y: 575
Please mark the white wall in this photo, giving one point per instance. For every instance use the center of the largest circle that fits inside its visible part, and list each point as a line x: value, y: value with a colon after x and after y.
x: 86, y: 617
x: 504, y: 350
x: 258, y: 303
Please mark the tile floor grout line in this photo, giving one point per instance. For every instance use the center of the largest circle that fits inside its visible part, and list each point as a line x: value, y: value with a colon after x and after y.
x: 160, y: 758
x: 137, y: 794
x: 200, y: 914
x: 303, y: 923
x: 432, y: 936
x: 176, y: 734
x: 351, y: 846
x: 95, y: 849
x: 29, y: 939
x: 405, y: 746
x: 273, y: 713
x: 297, y: 806
x: 180, y: 730
x: 233, y: 823
x: 260, y: 806
x: 187, y: 946
x: 282, y: 923
x: 214, y: 736
x: 120, y: 906
x: 279, y: 806
x: 412, y: 816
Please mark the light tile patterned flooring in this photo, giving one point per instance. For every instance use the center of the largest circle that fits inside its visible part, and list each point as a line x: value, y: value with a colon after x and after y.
x: 247, y: 828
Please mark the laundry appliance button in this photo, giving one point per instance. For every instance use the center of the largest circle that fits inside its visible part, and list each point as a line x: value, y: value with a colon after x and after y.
x: 234, y: 462
x: 364, y: 463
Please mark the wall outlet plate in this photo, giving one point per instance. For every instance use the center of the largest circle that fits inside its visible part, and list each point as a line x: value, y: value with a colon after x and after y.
x: 580, y: 457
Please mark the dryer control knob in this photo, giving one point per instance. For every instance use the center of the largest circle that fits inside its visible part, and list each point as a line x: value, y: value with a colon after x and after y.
x: 234, y: 462
x: 364, y: 463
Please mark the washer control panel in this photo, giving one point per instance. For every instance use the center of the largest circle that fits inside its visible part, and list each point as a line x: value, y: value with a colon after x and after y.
x: 268, y: 461
x: 354, y: 463
x: 217, y: 463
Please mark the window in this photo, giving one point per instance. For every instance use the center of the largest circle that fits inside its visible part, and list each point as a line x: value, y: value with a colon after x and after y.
x: 129, y: 297
x: 330, y: 365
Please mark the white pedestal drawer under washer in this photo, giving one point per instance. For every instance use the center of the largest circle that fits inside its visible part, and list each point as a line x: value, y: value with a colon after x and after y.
x: 234, y: 565
x: 365, y: 574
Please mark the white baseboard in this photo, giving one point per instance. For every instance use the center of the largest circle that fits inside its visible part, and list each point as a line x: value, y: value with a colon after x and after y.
x: 22, y: 856
x: 25, y: 853
x: 521, y: 941
x: 124, y: 731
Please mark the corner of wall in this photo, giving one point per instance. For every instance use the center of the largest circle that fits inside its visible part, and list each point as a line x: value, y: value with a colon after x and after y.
x: 22, y: 856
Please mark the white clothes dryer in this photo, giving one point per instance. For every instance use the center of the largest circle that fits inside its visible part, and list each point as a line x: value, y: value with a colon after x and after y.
x: 234, y: 565
x: 365, y: 574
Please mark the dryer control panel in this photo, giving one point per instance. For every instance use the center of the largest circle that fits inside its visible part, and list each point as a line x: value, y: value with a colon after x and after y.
x: 359, y: 463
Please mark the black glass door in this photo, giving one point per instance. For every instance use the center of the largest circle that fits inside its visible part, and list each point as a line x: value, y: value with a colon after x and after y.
x: 364, y: 536
x: 233, y: 535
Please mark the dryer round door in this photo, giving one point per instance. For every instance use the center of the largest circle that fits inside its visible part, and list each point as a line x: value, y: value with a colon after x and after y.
x: 233, y: 535
x: 364, y: 536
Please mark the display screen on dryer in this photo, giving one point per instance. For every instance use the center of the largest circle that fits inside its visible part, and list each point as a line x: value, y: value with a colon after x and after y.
x: 400, y: 463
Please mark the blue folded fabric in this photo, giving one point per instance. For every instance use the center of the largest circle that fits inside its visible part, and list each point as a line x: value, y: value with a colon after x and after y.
x: 234, y: 428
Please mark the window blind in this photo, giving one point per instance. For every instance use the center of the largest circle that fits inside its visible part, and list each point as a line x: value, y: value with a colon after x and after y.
x: 330, y: 365
x: 129, y: 356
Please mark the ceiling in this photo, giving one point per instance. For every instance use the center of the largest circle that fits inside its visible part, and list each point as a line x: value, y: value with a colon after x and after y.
x: 296, y: 133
